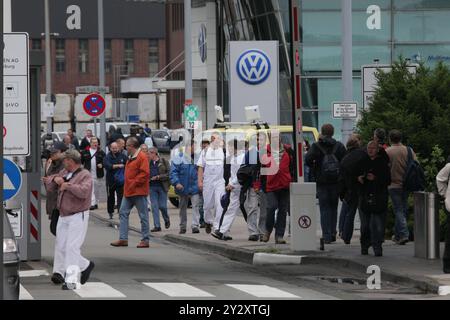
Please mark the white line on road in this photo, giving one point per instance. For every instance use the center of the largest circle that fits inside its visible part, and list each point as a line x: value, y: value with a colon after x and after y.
x: 173, y: 289
x: 98, y: 290
x: 24, y: 294
x: 33, y: 273
x: 263, y: 291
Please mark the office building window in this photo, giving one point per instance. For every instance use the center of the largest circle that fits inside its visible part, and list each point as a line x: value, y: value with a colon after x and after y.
x: 36, y: 44
x: 60, y: 46
x: 83, y: 55
x: 108, y: 56
x: 153, y: 57
x: 177, y: 16
x: 129, y: 55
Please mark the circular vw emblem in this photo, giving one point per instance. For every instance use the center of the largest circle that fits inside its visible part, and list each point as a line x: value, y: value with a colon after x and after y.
x: 202, y: 46
x: 253, y: 67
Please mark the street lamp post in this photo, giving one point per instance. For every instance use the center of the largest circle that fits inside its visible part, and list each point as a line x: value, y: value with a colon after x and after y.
x: 48, y: 70
x: 347, y: 64
x: 188, y: 50
x: 101, y: 71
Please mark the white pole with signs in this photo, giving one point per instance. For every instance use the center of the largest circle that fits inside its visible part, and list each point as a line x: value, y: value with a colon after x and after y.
x: 16, y: 102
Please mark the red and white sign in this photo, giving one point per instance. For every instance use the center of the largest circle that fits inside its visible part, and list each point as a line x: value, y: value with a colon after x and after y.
x: 94, y: 105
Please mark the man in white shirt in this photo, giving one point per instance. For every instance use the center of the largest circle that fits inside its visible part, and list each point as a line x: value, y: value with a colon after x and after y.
x: 211, y: 182
x: 233, y: 163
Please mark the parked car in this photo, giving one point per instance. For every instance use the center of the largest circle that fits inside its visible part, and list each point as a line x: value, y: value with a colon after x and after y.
x: 125, y: 127
x: 161, y: 140
x: 11, y: 279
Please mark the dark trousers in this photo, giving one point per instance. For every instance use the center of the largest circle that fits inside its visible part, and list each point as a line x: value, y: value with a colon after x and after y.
x: 328, y: 203
x: 347, y: 218
x: 446, y: 257
x: 111, y: 191
x: 277, y: 200
x: 372, y: 229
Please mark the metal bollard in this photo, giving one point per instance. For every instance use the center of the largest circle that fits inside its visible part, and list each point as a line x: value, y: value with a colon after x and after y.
x: 426, y: 225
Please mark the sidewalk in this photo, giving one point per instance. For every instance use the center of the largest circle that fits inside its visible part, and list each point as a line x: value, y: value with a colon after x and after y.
x: 397, y: 264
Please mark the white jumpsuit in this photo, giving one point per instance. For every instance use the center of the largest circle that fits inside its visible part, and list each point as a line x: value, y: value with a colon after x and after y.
x: 212, y: 162
x: 234, y: 207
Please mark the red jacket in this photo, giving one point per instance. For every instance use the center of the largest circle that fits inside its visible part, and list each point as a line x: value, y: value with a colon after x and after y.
x: 137, y: 175
x: 281, y: 177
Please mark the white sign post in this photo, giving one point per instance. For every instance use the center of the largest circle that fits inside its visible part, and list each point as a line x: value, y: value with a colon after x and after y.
x: 16, y: 102
x: 345, y: 110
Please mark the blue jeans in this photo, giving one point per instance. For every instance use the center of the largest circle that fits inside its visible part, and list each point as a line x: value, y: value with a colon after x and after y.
x: 158, y: 198
x: 140, y: 202
x: 328, y: 203
x: 372, y: 229
x: 400, y: 205
x: 347, y: 219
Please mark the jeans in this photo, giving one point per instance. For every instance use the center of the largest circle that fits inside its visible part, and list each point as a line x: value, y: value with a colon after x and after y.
x: 328, y: 203
x: 111, y: 191
x: 400, y: 205
x: 253, y: 210
x: 372, y: 229
x: 277, y: 200
x: 347, y: 219
x: 140, y: 202
x: 158, y: 198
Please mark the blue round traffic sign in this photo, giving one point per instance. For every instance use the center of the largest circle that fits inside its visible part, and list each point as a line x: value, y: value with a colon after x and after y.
x: 94, y: 105
x: 12, y: 179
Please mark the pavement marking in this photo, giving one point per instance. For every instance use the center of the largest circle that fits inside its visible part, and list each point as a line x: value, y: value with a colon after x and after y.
x: 174, y: 289
x: 444, y: 290
x: 98, y: 290
x: 33, y: 273
x: 261, y: 258
x: 263, y: 291
x: 24, y: 294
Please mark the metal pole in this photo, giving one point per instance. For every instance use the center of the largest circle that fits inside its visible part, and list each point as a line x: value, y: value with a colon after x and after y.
x: 188, y: 50
x: 347, y: 65
x: 48, y: 69
x: 6, y: 28
x: 101, y: 71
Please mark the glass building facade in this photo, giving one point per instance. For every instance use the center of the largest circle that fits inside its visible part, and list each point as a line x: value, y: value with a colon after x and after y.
x: 382, y: 30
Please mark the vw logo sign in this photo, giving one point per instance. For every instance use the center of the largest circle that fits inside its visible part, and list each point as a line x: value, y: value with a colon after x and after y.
x: 253, y: 67
x: 202, y: 46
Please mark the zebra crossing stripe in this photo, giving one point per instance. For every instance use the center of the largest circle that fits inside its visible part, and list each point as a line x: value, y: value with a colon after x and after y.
x: 98, y: 290
x: 181, y: 290
x: 24, y: 294
x: 263, y: 291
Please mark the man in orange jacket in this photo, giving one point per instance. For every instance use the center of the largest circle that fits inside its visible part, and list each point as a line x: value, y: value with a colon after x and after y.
x: 135, y: 192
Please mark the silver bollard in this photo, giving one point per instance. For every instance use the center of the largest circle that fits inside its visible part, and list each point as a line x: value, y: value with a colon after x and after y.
x: 426, y: 225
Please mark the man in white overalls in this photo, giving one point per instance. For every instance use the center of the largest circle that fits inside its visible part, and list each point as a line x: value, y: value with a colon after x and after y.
x: 211, y: 182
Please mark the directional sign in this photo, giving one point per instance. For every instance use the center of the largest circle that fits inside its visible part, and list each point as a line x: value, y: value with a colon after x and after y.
x: 94, y: 105
x: 16, y: 106
x: 191, y: 113
x: 12, y: 179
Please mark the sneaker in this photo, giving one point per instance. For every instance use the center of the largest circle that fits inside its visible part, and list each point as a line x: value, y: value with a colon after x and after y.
x: 155, y: 230
x: 69, y: 286
x: 167, y: 224
x: 364, y: 251
x: 253, y: 237
x: 182, y: 231
x: 227, y: 238
x: 93, y: 207
x: 280, y: 241
x: 266, y: 237
x: 143, y: 244
x: 202, y: 225
x: 110, y: 216
x: 195, y: 230
x: 57, y: 278
x: 120, y: 243
x: 208, y: 228
x: 333, y: 239
x: 86, y: 273
x: 402, y: 241
x: 218, y: 235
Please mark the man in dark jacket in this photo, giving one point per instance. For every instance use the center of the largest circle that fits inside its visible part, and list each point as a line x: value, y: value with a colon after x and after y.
x: 114, y: 164
x: 92, y: 160
x: 350, y: 171
x: 324, y: 158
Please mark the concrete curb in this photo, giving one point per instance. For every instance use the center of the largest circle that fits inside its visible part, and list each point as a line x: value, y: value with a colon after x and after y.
x: 425, y: 284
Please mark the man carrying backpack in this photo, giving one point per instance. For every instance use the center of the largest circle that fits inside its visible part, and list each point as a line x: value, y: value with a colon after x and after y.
x: 398, y: 155
x: 324, y: 158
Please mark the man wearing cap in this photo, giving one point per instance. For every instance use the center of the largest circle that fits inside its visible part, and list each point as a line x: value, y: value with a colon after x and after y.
x: 53, y: 166
x: 74, y: 186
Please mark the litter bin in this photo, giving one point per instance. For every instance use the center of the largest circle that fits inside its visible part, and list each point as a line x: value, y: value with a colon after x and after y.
x: 426, y: 225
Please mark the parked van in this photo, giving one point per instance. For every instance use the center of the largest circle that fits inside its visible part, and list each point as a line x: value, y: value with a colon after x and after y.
x: 126, y: 127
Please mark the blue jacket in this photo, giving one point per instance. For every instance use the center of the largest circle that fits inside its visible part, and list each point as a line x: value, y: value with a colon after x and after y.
x: 109, y: 161
x: 184, y: 172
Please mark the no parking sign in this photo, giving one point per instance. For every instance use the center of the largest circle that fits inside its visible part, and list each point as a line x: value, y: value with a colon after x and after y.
x: 94, y: 105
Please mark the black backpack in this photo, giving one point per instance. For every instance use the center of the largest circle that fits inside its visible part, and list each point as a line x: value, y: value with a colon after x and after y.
x: 414, y: 179
x: 330, y: 166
